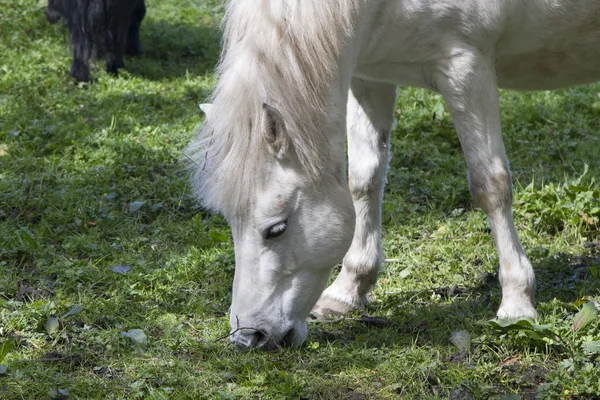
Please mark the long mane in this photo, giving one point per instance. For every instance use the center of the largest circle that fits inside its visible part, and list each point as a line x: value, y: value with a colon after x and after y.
x: 281, y: 52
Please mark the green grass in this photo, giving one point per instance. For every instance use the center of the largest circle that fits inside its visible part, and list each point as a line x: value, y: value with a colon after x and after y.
x: 91, y: 178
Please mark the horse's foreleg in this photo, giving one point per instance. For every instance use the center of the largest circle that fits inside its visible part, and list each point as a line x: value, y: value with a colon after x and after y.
x: 370, y: 118
x: 468, y: 84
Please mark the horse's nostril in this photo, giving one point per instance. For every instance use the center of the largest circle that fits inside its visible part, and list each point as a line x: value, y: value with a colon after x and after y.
x: 257, y: 338
x: 288, y: 338
x: 248, y: 339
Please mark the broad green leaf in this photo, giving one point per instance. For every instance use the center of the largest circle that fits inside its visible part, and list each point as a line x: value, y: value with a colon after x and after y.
x: 5, y: 348
x: 585, y: 316
x: 533, y: 330
x: 218, y: 236
x: 592, y: 346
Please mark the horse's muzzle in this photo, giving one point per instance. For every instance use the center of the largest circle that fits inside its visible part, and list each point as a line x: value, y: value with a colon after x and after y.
x: 245, y: 339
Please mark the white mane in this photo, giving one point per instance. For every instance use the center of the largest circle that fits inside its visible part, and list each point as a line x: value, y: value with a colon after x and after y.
x: 280, y: 52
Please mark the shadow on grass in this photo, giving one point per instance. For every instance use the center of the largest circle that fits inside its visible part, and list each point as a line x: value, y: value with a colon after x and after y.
x: 174, y: 50
x: 424, y: 322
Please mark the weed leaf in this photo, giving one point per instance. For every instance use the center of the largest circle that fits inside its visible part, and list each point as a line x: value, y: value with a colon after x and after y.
x: 534, y: 331
x: 58, y: 394
x: 462, y: 340
x: 227, y: 375
x: 510, y: 396
x: 52, y: 325
x: 592, y: 346
x: 121, y: 269
x: 73, y: 311
x: 137, y: 336
x: 585, y: 316
x: 27, y: 236
x: 136, y: 205
x: 405, y: 272
x: 594, y: 271
x: 218, y: 236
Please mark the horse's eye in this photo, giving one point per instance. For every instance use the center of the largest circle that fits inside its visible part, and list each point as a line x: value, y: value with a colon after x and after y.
x: 276, y: 230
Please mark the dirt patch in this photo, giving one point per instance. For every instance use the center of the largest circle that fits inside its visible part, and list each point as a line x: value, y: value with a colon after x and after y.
x: 26, y: 292
x: 107, y: 372
x: 526, y: 379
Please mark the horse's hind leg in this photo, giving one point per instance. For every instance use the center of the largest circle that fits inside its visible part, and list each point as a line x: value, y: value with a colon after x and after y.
x: 468, y: 83
x: 370, y: 118
x: 118, y: 25
x: 133, y: 46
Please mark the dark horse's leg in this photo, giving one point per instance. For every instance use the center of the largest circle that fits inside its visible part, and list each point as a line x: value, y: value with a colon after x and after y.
x: 133, y: 46
x: 80, y: 69
x: 77, y: 21
x: 118, y: 15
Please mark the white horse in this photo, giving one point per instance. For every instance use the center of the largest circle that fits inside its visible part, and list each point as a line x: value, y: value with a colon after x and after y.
x: 299, y: 76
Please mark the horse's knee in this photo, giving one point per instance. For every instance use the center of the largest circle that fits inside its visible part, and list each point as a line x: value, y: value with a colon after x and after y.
x: 365, y: 176
x: 492, y: 189
x: 368, y: 165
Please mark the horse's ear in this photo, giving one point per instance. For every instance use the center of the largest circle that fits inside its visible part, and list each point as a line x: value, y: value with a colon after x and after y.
x: 275, y: 132
x: 207, y: 109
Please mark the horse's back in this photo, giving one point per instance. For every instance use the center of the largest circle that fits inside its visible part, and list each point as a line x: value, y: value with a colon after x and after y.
x: 536, y: 44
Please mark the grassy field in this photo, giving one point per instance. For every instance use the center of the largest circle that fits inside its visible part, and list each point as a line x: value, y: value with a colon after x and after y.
x: 114, y: 284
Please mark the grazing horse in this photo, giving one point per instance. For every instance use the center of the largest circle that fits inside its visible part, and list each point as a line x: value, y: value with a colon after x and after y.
x: 299, y: 77
x: 99, y: 28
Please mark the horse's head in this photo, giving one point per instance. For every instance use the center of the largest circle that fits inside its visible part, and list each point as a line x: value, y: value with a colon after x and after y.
x: 288, y: 237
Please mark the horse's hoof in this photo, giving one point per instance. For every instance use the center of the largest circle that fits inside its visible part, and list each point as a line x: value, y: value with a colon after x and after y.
x: 329, y: 308
x: 517, y: 310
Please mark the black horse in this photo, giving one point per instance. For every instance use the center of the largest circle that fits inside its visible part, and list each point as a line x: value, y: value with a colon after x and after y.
x: 99, y: 28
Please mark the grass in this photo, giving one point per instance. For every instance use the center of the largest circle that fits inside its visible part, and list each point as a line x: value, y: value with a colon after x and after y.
x: 100, y: 238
